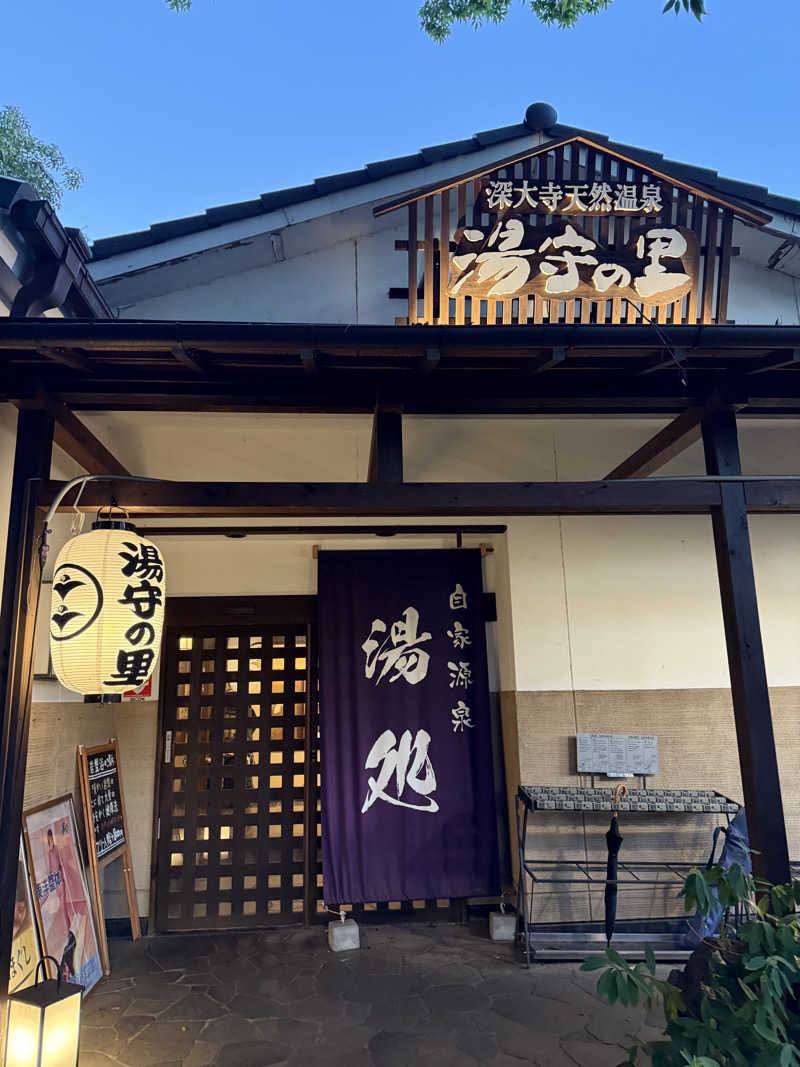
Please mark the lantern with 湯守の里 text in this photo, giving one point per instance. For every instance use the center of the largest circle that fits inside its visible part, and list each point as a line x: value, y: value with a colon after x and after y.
x: 43, y: 1023
x: 107, y: 609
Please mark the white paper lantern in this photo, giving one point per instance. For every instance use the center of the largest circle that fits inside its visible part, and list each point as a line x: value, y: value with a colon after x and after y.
x: 107, y: 610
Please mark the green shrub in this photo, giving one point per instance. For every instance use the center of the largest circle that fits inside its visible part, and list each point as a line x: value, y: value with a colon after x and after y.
x: 736, y: 1001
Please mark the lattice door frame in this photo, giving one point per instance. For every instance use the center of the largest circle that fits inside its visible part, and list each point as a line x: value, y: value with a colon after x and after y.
x: 200, y: 619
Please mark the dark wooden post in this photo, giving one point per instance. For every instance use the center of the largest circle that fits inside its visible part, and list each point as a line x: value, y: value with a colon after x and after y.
x: 758, y: 758
x: 17, y: 621
x: 386, y: 448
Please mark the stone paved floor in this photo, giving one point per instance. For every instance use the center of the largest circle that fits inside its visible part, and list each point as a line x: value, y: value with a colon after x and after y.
x: 413, y: 995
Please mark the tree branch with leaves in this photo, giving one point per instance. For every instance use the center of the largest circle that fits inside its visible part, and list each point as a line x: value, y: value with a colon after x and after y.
x: 438, y: 17
x: 24, y: 157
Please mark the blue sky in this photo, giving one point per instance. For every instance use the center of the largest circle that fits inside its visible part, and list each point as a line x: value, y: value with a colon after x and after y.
x: 168, y: 114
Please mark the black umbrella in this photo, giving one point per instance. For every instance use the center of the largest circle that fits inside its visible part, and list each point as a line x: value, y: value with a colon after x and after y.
x: 614, y: 841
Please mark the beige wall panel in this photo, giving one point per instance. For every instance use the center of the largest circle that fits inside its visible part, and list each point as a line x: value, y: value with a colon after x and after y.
x: 775, y: 541
x: 539, y: 609
x: 695, y: 728
x: 208, y: 446
x: 56, y: 731
x: 476, y: 449
x: 643, y: 603
x: 697, y: 749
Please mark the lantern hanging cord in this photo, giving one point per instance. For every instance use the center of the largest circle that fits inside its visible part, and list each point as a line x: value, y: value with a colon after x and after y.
x: 82, y: 480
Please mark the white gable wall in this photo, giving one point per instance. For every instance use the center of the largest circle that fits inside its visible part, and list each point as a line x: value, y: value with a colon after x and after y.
x: 339, y: 268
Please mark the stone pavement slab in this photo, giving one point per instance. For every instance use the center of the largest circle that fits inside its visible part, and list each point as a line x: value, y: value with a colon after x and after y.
x: 421, y: 994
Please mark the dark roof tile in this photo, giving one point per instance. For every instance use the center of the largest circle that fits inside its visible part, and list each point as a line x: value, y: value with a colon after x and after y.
x: 336, y: 182
x: 164, y: 231
x: 437, y: 152
x: 385, y: 168
x: 503, y: 133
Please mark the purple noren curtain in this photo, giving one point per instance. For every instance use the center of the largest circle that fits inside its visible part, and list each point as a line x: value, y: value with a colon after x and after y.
x: 408, y: 810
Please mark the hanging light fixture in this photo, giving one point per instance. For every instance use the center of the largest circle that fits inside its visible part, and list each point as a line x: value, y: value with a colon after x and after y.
x: 43, y: 1023
x: 107, y: 609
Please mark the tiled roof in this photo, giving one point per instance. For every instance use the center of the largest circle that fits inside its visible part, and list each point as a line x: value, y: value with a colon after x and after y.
x: 267, y: 202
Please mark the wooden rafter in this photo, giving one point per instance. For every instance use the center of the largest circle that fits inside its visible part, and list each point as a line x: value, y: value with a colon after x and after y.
x: 193, y: 360
x: 669, y: 442
x: 69, y: 357
x: 76, y: 439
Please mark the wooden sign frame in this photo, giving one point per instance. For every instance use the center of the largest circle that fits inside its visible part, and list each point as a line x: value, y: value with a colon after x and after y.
x: 123, y: 852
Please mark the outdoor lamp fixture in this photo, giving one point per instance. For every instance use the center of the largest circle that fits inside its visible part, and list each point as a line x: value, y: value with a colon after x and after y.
x: 43, y: 1024
x: 107, y: 609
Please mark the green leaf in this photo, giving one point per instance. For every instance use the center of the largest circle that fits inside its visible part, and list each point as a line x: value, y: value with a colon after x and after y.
x: 650, y: 959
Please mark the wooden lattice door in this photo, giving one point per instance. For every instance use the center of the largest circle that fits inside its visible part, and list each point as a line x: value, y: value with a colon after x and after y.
x: 238, y: 830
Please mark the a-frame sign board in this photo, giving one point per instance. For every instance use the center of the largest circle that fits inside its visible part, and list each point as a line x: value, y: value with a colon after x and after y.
x: 571, y: 231
x: 106, y: 830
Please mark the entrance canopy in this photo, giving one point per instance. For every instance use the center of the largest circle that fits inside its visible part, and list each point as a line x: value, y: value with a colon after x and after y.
x: 544, y: 369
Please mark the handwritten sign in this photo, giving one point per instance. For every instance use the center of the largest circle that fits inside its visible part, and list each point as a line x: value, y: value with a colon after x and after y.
x: 105, y: 798
x: 106, y: 830
x: 617, y: 754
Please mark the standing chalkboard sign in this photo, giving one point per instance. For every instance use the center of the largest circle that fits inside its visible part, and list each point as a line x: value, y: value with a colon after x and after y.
x: 106, y: 828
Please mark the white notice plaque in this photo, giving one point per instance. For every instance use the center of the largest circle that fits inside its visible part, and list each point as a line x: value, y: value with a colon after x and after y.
x: 617, y: 754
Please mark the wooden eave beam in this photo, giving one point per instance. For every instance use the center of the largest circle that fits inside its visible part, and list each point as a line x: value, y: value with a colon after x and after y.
x: 190, y: 358
x: 310, y: 360
x: 664, y: 361
x: 657, y: 496
x: 69, y: 357
x: 540, y: 364
x: 429, y: 362
x: 778, y: 360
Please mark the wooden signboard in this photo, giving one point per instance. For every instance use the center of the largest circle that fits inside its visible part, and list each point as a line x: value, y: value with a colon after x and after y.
x: 568, y: 231
x: 106, y: 828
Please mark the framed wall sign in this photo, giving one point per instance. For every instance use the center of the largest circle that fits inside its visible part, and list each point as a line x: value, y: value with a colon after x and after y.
x: 106, y: 827
x: 61, y: 898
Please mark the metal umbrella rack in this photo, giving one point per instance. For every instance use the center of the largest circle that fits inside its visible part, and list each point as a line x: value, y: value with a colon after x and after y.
x: 615, y: 876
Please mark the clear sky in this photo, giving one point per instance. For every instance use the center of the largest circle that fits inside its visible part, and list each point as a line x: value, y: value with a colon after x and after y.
x: 168, y: 114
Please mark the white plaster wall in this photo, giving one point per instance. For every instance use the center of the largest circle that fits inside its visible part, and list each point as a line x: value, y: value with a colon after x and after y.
x: 762, y: 297
x: 338, y: 267
x: 318, y: 287
x: 349, y: 282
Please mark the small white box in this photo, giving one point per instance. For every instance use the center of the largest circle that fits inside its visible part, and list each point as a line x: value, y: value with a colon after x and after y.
x: 343, y: 936
x: 502, y: 927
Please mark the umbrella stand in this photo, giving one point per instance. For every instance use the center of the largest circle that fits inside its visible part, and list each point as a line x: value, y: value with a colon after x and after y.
x: 614, y: 842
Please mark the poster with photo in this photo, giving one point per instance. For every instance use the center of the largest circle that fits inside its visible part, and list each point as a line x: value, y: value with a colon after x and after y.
x: 24, y: 941
x: 62, y: 901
